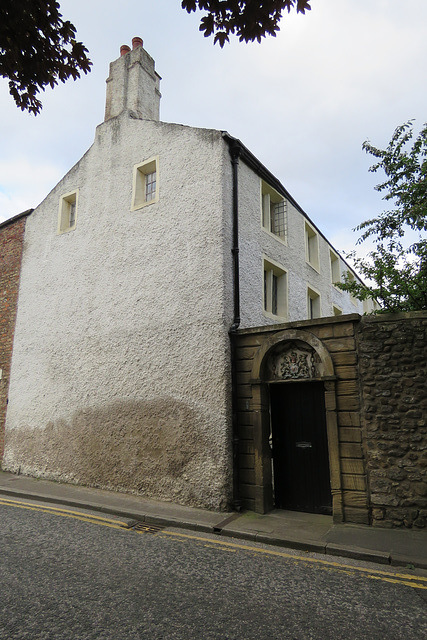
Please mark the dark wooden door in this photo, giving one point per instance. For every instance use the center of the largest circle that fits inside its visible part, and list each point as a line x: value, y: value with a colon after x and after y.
x: 300, y: 447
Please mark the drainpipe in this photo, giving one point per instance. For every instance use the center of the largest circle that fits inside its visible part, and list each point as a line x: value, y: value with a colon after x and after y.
x: 235, y: 150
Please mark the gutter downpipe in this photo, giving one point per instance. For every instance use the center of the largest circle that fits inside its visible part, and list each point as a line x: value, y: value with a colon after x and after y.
x: 235, y: 151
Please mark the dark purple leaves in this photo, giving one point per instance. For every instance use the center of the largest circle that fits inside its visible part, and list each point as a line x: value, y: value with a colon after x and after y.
x: 249, y: 20
x: 37, y: 49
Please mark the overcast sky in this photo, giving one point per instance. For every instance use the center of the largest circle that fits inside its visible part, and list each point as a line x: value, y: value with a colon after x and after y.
x: 303, y: 102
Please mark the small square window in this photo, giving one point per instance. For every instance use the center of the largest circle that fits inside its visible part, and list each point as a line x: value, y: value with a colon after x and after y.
x: 67, y: 216
x: 311, y: 246
x: 145, y: 184
x: 275, y: 290
x: 274, y: 211
x: 337, y: 311
x: 313, y: 304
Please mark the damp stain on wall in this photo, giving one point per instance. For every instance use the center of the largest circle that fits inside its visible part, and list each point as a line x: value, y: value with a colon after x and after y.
x: 158, y: 448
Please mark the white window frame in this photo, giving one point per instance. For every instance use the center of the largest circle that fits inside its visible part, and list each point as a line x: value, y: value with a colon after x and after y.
x: 370, y: 305
x: 336, y: 310
x: 311, y: 246
x: 140, y: 195
x: 270, y: 198
x: 67, y: 214
x: 352, y: 278
x: 274, y: 289
x: 334, y: 261
x: 314, y: 308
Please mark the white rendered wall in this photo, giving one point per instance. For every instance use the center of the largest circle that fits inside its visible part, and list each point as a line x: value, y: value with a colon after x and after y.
x: 121, y: 366
x: 255, y: 243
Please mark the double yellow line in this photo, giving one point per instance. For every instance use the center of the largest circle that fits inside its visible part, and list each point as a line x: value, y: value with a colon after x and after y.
x: 66, y: 513
x: 415, y: 582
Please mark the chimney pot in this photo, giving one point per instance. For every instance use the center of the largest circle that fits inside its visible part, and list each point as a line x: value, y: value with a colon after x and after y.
x: 136, y: 42
x: 133, y: 86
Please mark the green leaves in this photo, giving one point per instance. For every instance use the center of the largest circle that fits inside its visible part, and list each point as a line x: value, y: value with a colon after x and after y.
x: 37, y: 49
x: 397, y: 267
x: 249, y: 20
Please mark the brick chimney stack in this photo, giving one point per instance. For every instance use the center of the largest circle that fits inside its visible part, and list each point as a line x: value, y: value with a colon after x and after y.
x: 133, y: 84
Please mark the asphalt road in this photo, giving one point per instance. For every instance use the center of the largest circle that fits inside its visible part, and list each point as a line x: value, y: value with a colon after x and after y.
x: 62, y: 577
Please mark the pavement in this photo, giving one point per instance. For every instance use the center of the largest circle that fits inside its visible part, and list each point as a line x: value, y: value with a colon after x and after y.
x: 294, y: 530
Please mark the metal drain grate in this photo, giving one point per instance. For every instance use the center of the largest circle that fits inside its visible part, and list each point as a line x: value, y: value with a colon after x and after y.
x: 144, y: 527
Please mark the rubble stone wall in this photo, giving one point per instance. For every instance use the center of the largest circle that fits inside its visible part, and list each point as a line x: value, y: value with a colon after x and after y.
x: 393, y: 368
x: 379, y: 396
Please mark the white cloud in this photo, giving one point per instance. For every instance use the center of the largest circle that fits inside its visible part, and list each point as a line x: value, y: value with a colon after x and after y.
x: 303, y: 102
x: 23, y: 185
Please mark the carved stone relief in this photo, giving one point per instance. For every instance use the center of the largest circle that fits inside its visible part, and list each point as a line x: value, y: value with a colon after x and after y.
x: 294, y: 360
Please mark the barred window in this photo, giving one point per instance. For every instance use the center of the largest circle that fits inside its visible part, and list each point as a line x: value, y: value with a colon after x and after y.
x: 72, y: 214
x: 278, y: 218
x: 67, y: 217
x: 274, y: 211
x: 145, y: 183
x: 150, y: 186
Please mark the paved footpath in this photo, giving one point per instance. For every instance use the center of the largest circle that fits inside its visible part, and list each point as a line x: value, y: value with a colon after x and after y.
x: 304, y: 531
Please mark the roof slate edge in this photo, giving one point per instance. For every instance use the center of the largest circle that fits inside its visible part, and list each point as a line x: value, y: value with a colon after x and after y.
x: 15, y: 218
x: 255, y: 164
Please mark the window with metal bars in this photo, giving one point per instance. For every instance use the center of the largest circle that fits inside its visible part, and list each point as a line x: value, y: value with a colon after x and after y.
x: 274, y: 211
x: 278, y: 218
x: 150, y: 186
x: 72, y: 214
x: 145, y: 184
x: 67, y: 218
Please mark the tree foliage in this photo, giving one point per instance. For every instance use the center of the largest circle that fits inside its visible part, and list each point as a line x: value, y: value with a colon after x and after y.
x: 397, y: 266
x: 248, y: 19
x: 37, y: 49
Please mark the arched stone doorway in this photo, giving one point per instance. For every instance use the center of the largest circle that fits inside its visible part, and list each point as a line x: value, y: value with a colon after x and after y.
x: 293, y: 382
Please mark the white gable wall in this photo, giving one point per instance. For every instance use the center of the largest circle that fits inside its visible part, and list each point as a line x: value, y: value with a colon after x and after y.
x: 121, y: 366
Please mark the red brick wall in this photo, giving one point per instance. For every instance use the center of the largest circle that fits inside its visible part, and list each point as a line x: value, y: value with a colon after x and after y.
x: 11, y: 244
